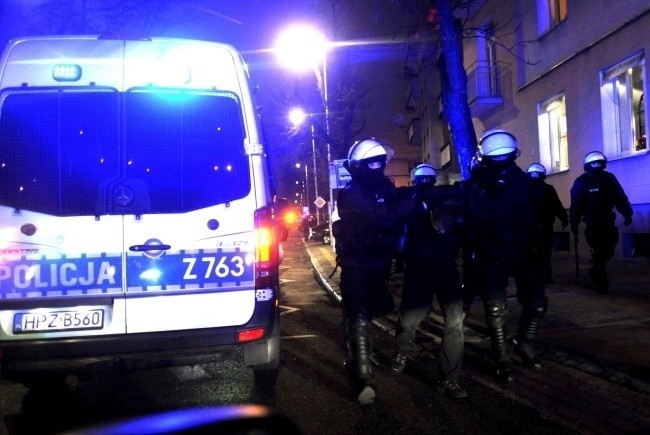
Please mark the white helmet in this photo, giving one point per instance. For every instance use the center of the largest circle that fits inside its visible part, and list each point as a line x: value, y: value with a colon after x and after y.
x: 537, y: 170
x: 423, y: 173
x: 367, y: 149
x: 594, y: 157
x: 498, y: 143
x: 537, y: 167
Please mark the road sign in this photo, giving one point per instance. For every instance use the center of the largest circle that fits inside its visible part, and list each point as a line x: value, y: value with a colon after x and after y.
x: 320, y: 202
x: 339, y: 176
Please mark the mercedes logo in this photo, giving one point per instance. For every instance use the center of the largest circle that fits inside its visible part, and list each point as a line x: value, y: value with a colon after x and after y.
x: 123, y: 195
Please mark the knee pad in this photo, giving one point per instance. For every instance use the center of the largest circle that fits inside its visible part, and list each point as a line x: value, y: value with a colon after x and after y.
x: 539, y: 310
x: 495, y: 309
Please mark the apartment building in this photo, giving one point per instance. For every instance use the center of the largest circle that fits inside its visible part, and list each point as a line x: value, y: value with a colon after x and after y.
x: 564, y: 76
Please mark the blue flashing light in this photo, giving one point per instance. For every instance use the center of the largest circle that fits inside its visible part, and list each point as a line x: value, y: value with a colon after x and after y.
x: 66, y: 72
x: 151, y: 275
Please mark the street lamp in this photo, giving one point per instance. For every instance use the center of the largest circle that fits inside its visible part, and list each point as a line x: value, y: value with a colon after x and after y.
x: 301, y: 47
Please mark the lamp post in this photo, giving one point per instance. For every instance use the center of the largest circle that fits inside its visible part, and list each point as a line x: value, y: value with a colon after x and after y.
x: 302, y: 47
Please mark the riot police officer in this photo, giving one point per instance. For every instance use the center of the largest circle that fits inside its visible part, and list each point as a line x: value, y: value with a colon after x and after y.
x: 433, y: 241
x: 594, y: 195
x: 370, y: 211
x: 548, y: 207
x: 502, y: 222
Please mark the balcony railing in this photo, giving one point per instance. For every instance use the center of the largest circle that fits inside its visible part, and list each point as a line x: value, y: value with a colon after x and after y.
x: 484, y: 88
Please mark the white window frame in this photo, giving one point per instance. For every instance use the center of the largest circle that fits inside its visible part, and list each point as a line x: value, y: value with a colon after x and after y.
x: 621, y: 88
x: 552, y: 132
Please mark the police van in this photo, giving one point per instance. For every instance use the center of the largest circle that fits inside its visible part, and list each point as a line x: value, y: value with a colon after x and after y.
x: 138, y: 226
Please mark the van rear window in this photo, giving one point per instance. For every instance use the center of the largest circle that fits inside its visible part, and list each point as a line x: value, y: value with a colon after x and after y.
x: 66, y: 152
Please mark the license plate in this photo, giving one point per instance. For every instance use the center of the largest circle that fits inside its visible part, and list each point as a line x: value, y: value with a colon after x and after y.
x: 39, y: 321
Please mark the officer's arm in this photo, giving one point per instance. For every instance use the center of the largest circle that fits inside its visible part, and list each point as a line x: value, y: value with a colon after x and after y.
x: 560, y: 211
x: 621, y: 201
x: 576, y: 208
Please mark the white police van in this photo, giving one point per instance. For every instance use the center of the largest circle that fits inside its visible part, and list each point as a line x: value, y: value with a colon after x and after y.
x: 138, y: 226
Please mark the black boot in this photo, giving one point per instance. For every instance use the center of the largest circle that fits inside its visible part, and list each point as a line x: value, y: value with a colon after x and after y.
x: 495, y: 317
x: 361, y: 347
x: 598, y: 275
x: 528, y: 325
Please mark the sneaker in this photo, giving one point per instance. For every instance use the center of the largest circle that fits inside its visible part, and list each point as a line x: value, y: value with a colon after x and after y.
x: 451, y: 389
x: 398, y: 362
x: 367, y: 395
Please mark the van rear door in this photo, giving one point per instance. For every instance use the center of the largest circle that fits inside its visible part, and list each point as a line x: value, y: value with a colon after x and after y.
x: 189, y: 255
x: 61, y: 264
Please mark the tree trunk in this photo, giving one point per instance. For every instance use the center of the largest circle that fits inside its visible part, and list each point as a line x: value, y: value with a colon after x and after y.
x: 455, y: 106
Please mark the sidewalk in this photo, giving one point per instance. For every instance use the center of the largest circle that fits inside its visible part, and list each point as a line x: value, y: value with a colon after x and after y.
x: 595, y: 349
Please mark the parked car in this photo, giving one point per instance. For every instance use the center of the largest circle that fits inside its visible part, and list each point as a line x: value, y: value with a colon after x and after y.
x: 321, y: 233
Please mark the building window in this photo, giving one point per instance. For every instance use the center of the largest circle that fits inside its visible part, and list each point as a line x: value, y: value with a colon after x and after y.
x: 550, y: 13
x: 623, y: 108
x: 553, y: 144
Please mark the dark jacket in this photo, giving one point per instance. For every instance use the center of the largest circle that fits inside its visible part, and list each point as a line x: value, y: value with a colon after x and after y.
x: 368, y: 229
x: 593, y: 198
x: 436, y: 233
x: 501, y: 218
x: 547, y: 206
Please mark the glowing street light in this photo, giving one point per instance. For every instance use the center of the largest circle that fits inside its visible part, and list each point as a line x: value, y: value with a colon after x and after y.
x: 301, y: 47
x: 297, y: 116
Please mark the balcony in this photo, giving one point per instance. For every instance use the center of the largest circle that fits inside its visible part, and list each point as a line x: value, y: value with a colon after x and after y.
x: 484, y: 89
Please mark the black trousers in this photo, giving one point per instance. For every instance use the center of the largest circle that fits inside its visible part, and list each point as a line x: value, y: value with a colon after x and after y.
x: 602, y: 237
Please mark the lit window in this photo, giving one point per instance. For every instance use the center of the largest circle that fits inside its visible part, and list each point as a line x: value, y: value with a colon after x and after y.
x: 550, y: 13
x: 623, y: 108
x: 553, y: 144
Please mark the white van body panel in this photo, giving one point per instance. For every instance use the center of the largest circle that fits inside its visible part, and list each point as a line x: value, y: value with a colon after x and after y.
x: 176, y: 312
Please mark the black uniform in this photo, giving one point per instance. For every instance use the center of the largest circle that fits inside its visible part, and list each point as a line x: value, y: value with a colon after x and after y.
x: 366, y: 239
x: 501, y: 228
x: 547, y: 207
x: 593, y: 197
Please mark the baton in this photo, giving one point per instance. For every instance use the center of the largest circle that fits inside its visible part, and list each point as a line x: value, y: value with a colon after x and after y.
x: 575, y: 243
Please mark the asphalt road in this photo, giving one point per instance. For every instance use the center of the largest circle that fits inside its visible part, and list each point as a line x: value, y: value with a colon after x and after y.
x: 312, y: 388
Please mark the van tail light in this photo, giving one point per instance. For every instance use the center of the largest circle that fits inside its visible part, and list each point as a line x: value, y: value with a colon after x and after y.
x: 250, y: 335
x: 267, y: 250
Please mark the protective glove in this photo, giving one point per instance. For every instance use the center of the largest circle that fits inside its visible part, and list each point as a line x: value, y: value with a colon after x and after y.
x: 564, y: 225
x: 574, y: 229
x: 628, y: 221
